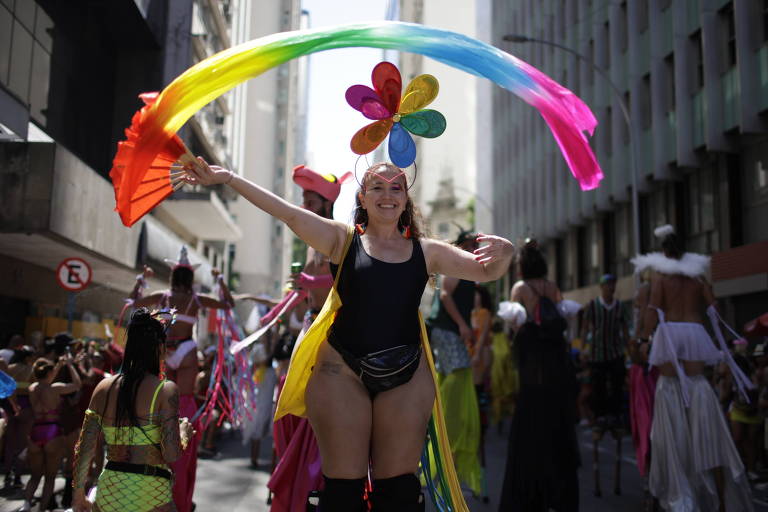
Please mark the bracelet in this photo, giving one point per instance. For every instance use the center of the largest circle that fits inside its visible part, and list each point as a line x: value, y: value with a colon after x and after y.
x: 231, y: 175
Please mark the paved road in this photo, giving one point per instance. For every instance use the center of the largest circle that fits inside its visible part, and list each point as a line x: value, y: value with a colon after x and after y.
x: 227, y: 484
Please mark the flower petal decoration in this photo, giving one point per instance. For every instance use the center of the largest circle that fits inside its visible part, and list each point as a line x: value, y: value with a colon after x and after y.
x: 424, y: 123
x: 383, y: 102
x: 388, y: 84
x: 420, y: 92
x: 370, y: 136
x: 402, y: 149
x: 367, y: 101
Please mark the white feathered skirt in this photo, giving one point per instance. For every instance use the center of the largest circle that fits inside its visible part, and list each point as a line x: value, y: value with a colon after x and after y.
x: 687, y: 445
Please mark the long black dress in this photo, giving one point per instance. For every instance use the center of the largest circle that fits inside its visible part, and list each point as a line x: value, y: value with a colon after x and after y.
x: 543, y: 456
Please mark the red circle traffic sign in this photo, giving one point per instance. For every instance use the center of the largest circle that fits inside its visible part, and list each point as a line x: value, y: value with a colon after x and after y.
x: 74, y: 274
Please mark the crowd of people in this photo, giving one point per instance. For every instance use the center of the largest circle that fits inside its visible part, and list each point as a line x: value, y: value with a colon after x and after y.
x: 367, y: 376
x: 55, y: 378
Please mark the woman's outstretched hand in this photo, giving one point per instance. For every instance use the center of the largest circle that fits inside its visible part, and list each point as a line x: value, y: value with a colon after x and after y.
x: 203, y: 174
x: 496, y: 248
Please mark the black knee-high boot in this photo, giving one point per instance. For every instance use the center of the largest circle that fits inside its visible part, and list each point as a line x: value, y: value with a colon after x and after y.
x: 342, y: 495
x: 397, y: 494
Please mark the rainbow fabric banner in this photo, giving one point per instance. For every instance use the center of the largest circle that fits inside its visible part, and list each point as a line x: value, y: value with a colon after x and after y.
x: 155, y: 125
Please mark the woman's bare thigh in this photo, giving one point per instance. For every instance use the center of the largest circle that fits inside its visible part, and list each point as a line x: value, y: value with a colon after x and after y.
x: 339, y: 409
x: 400, y: 418
x: 54, y: 453
x: 36, y: 458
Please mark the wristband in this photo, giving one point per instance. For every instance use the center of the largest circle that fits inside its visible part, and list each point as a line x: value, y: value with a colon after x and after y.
x: 231, y: 175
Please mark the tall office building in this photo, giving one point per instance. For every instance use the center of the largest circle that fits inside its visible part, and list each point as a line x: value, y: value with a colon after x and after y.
x: 70, y: 75
x: 694, y: 74
x: 271, y: 118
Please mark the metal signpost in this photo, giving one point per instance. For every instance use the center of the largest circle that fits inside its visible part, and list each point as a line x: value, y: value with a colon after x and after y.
x: 74, y: 275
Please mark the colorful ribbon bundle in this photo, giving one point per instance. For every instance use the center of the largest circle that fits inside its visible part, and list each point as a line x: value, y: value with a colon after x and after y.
x: 231, y: 387
x: 155, y: 125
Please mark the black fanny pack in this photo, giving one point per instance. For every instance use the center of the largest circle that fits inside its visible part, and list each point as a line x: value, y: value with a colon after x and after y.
x: 139, y: 469
x: 385, y: 369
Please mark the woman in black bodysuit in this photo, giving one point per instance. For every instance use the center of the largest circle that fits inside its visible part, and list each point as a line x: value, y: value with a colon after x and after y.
x: 380, y: 421
x: 543, y: 455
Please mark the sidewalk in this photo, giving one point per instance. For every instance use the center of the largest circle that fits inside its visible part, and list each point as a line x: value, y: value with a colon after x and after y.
x: 11, y: 502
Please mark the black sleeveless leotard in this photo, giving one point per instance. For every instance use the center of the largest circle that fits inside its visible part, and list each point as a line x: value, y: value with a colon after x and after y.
x: 380, y: 301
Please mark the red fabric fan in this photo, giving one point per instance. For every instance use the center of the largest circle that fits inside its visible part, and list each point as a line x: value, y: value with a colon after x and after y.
x: 162, y: 178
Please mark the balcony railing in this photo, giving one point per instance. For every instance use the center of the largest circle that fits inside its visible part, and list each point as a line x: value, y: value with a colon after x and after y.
x: 699, y: 118
x: 762, y: 64
x: 693, y: 15
x: 731, y: 97
x: 670, y: 138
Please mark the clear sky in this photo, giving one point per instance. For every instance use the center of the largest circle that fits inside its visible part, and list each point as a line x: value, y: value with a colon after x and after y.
x: 332, y: 122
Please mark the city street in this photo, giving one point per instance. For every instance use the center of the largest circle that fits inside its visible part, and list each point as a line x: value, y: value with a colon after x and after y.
x: 227, y: 483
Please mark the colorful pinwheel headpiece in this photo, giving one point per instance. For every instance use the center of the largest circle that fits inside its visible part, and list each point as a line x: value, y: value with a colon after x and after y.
x: 393, y: 115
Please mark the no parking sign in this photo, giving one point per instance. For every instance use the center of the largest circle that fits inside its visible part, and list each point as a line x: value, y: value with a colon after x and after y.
x: 74, y: 274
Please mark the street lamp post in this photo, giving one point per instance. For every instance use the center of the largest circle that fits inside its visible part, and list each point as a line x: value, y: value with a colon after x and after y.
x: 517, y: 38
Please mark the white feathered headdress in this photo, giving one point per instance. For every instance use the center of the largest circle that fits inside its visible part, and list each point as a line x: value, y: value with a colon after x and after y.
x: 662, y: 231
x: 691, y: 264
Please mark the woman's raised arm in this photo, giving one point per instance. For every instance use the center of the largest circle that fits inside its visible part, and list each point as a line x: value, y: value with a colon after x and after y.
x: 487, y: 263
x: 324, y: 235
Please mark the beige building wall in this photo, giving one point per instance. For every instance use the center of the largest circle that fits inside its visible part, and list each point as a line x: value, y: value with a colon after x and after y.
x: 263, y: 117
x: 453, y: 155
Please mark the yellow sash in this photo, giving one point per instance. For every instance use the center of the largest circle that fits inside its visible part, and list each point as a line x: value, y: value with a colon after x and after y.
x: 291, y: 399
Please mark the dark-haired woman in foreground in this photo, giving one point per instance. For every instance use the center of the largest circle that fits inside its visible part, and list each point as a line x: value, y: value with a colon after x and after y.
x: 137, y: 413
x: 543, y: 454
x: 181, y: 353
x: 46, y: 444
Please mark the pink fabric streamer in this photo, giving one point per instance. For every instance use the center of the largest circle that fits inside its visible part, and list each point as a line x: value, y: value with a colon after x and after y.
x: 642, y: 390
x: 298, y: 471
x: 568, y: 117
x: 311, y: 282
x: 285, y: 305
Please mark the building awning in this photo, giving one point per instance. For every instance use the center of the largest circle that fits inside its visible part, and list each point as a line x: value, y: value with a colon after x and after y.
x: 740, y: 270
x: 202, y: 214
x: 61, y: 208
x: 47, y: 251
